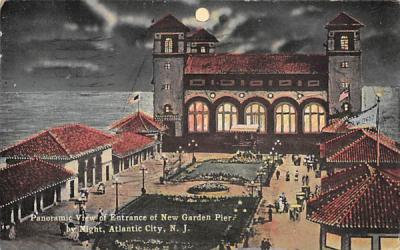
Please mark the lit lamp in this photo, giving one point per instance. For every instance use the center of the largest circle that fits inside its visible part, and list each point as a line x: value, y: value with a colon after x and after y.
x: 116, y: 183
x: 299, y: 96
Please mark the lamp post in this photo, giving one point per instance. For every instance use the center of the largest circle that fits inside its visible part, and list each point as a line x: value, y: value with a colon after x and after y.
x: 180, y: 153
x: 144, y: 170
x: 116, y: 183
x: 193, y: 145
x: 165, y: 160
x: 252, y: 186
x: 260, y: 174
x: 80, y: 203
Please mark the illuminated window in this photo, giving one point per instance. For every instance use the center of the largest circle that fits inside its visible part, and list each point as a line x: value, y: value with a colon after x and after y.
x: 313, y: 83
x: 167, y: 108
x: 168, y: 45
x: 203, y: 49
x: 344, y: 64
x: 198, y: 117
x: 333, y: 241
x: 358, y: 243
x: 255, y: 113
x: 197, y: 82
x: 389, y: 243
x: 344, y: 42
x: 167, y: 65
x: 314, y: 118
x: 345, y: 84
x: 227, y: 115
x: 285, y: 119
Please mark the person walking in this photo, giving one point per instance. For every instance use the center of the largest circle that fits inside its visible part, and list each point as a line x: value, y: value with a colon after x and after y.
x: 307, y: 180
x: 270, y: 214
x: 303, y: 180
x: 278, y: 173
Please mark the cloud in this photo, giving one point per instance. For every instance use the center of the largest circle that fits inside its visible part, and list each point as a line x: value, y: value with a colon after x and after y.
x: 135, y: 20
x: 190, y: 2
x: 110, y: 17
x: 71, y: 26
x: 277, y: 44
x: 63, y: 63
x: 305, y: 10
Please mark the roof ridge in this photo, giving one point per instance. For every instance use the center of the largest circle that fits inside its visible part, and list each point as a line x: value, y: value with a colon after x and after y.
x: 341, y: 136
x: 59, y: 143
x: 123, y: 120
x: 31, y: 137
x: 374, y: 136
x: 346, y: 147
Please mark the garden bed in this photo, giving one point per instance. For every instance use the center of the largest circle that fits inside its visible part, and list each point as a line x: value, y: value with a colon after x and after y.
x: 208, y: 187
x: 201, y: 234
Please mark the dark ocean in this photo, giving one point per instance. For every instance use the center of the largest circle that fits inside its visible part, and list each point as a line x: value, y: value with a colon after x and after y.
x: 25, y: 113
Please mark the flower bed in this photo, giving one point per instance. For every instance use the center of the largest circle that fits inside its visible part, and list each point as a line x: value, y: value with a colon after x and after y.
x: 208, y: 187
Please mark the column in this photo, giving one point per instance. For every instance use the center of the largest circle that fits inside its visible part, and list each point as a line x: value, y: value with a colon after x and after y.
x: 19, y: 212
x: 94, y: 173
x: 35, y: 204
x: 85, y: 174
x: 41, y: 205
x: 55, y: 195
x: 104, y: 171
x: 375, y: 242
x: 121, y: 162
x: 12, y: 215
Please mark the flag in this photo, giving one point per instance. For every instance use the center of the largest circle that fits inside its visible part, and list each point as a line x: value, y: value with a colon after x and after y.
x: 366, y: 119
x: 133, y: 98
x: 344, y: 94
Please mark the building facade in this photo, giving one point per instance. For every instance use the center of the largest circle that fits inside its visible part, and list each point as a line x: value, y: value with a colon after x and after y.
x: 201, y: 94
x: 83, y: 150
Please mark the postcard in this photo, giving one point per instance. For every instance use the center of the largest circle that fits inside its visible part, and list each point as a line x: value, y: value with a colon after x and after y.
x: 194, y: 124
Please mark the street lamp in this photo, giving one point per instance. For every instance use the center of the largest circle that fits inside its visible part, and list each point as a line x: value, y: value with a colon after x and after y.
x: 144, y: 170
x: 193, y: 145
x: 180, y: 153
x: 116, y: 183
x: 260, y: 173
x: 165, y: 160
x: 252, y: 186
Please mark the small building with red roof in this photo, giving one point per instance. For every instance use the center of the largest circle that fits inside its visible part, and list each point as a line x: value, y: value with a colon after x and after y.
x: 130, y: 149
x: 31, y: 186
x: 359, y: 146
x: 83, y: 150
x: 358, y: 208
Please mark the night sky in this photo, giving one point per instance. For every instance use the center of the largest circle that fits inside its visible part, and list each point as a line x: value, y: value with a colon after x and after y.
x: 104, y: 45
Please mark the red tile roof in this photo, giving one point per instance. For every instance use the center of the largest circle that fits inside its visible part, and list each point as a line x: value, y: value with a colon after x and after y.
x: 370, y: 201
x: 358, y: 146
x: 168, y: 23
x: 329, y: 183
x: 128, y: 143
x: 28, y: 177
x: 256, y: 64
x: 337, y: 126
x: 138, y: 123
x: 60, y: 143
x: 202, y: 35
x: 344, y: 20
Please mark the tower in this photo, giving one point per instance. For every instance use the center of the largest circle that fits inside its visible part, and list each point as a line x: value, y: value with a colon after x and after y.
x: 344, y: 52
x: 201, y: 42
x: 168, y: 69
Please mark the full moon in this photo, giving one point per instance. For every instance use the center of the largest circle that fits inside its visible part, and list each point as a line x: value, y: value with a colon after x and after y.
x: 202, y: 14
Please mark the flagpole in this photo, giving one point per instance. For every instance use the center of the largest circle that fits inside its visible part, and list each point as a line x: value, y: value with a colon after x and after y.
x: 378, y: 100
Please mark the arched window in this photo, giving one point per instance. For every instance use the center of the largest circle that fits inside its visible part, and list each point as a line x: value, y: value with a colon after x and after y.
x: 285, y: 119
x: 227, y: 115
x: 314, y: 118
x: 168, y: 45
x: 255, y: 113
x: 344, y: 42
x: 198, y: 117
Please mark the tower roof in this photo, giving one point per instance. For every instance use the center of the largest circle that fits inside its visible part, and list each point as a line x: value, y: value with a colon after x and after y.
x: 168, y: 23
x: 343, y: 20
x: 139, y: 123
x: 202, y: 35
